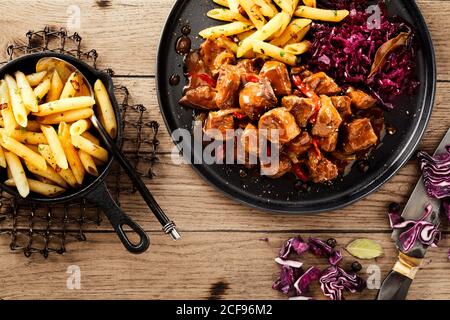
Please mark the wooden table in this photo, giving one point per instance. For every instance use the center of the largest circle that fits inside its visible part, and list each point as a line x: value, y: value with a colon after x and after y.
x: 221, y: 254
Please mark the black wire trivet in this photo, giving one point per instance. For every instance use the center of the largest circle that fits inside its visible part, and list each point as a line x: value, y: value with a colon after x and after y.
x: 47, y: 229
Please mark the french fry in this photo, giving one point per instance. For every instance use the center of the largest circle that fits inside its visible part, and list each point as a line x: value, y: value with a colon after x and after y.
x: 9, y: 121
x: 68, y: 116
x: 321, y: 14
x: 18, y: 107
x: 38, y: 187
x: 254, y: 13
x: 274, y: 52
x: 105, y: 109
x: 80, y: 127
x: 90, y: 148
x: 269, y: 29
x: 72, y: 86
x: 267, y: 8
x: 22, y: 151
x: 71, y: 153
x: 310, y: 3
x: 28, y: 96
x: 226, y: 30
x: 88, y: 163
x: 64, y: 105
x: 49, y: 174
x: 226, y: 15
x: 56, y: 87
x: 67, y: 175
x: 42, y: 89
x: 55, y: 146
x: 18, y: 174
x: 2, y: 158
x: 36, y: 78
x: 291, y: 31
x: 298, y: 48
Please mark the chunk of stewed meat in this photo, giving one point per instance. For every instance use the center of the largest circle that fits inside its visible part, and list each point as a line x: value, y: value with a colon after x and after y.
x: 277, y: 73
x: 202, y: 98
x: 277, y: 169
x: 228, y: 87
x: 256, y: 97
x: 320, y: 168
x: 359, y: 135
x: 328, y: 119
x: 322, y: 84
x: 343, y: 105
x: 247, y: 67
x: 279, y: 126
x: 250, y: 140
x: 300, y: 145
x: 302, y: 108
x: 360, y: 99
x: 328, y: 144
x: 219, y: 124
x: 215, y: 54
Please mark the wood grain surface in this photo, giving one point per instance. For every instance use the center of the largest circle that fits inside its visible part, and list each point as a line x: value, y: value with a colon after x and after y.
x: 224, y: 253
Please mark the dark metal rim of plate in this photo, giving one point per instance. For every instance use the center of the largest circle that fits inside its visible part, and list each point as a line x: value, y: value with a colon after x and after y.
x: 392, y: 155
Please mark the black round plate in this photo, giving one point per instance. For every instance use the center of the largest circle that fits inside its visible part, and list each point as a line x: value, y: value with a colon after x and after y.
x: 410, y: 118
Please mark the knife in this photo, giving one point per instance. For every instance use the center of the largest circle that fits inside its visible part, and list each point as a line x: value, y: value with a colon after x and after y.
x: 396, y: 285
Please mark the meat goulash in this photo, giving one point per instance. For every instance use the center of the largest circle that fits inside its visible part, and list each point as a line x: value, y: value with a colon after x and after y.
x: 247, y: 75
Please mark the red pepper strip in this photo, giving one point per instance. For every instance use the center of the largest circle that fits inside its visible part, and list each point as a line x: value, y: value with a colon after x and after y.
x: 317, y: 149
x: 204, y: 77
x: 308, y: 92
x: 298, y: 171
x: 239, y: 116
x: 250, y: 77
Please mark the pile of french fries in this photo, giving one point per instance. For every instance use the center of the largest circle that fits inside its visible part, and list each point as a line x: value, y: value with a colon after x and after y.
x: 45, y: 143
x: 273, y: 28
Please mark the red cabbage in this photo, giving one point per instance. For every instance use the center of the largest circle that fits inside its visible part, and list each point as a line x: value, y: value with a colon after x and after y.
x: 295, y: 244
x: 334, y: 281
x: 346, y: 52
x: 289, y: 263
x: 436, y: 174
x: 320, y: 248
x: 412, y: 231
x: 288, y: 276
x: 305, y: 280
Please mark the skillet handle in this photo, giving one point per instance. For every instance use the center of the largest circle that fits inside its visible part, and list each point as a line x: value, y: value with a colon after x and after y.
x: 118, y: 219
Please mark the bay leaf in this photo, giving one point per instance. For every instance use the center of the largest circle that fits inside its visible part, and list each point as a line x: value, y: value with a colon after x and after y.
x: 365, y: 249
x: 386, y: 49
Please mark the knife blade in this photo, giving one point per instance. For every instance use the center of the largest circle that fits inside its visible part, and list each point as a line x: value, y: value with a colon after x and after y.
x: 396, y: 285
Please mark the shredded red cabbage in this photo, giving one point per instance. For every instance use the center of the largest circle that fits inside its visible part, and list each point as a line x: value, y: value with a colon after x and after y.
x: 288, y: 276
x: 436, y: 174
x: 305, y: 280
x: 320, y: 248
x: 346, y: 52
x: 296, y: 245
x: 334, y: 281
x: 412, y: 231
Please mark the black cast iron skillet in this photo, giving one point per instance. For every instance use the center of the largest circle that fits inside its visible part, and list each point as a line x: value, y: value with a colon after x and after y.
x: 94, y: 189
x: 410, y: 118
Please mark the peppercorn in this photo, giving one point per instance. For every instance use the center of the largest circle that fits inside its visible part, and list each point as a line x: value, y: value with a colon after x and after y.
x: 332, y: 242
x: 394, y: 207
x: 356, y: 267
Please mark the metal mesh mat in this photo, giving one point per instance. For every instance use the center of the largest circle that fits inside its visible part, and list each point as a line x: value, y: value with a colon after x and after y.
x: 35, y: 229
